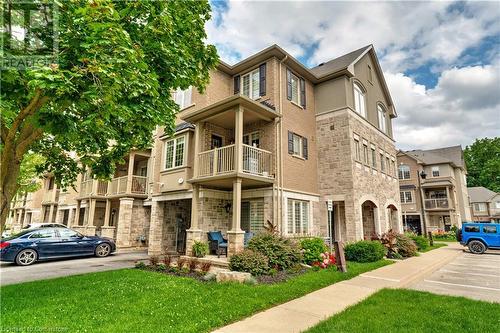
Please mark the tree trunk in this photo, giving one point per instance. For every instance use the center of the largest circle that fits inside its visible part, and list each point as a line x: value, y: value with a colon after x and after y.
x: 11, y: 166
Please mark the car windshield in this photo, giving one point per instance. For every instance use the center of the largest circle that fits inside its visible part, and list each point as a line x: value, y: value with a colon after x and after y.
x: 19, y: 234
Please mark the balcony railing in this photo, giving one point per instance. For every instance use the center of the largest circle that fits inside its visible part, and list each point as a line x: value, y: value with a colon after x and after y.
x: 120, y: 185
x: 436, y: 203
x: 87, y: 187
x: 51, y: 195
x: 220, y: 161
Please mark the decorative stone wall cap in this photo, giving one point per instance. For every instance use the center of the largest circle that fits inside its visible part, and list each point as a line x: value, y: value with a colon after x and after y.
x: 194, y: 230
x: 236, y: 232
x: 231, y: 276
x: 127, y: 199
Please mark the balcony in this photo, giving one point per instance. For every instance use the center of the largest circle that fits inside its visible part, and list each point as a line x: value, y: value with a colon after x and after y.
x: 50, y: 196
x: 437, y: 204
x: 117, y: 186
x: 93, y: 186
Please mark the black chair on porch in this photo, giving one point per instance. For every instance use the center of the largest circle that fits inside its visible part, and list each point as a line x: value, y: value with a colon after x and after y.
x: 217, y: 243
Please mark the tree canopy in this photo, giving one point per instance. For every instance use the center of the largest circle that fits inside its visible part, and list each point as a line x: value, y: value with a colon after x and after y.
x: 110, y: 85
x: 482, y: 159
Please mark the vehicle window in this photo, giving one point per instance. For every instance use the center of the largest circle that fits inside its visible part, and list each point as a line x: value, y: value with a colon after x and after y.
x: 68, y: 233
x: 490, y: 229
x: 43, y: 233
x: 18, y: 235
x: 471, y: 228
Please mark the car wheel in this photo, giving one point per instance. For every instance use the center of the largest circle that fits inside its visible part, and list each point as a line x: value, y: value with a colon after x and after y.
x: 26, y: 257
x: 477, y: 247
x: 103, y: 250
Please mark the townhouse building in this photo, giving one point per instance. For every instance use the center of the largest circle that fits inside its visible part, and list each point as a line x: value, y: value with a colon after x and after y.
x: 25, y: 207
x: 433, y: 189
x: 268, y: 143
x: 484, y: 205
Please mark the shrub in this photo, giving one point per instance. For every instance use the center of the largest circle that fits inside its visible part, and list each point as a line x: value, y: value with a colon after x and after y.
x: 327, y: 260
x: 200, y: 249
x: 161, y: 267
x: 205, y: 266
x: 251, y: 281
x: 167, y: 260
x: 364, y: 251
x: 180, y: 263
x: 312, y: 249
x: 249, y: 261
x: 192, y: 265
x: 281, y: 252
x: 406, y: 246
x: 140, y: 265
x: 421, y: 242
x: 153, y: 260
x: 209, y: 277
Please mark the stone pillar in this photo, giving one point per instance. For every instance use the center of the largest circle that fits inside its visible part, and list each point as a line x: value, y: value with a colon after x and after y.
x: 71, y: 216
x: 155, y: 244
x: 90, y: 225
x: 106, y: 230
x: 51, y: 213
x: 77, y: 213
x: 235, y: 235
x: 194, y: 232
x: 124, y: 222
x: 376, y: 220
x: 130, y: 171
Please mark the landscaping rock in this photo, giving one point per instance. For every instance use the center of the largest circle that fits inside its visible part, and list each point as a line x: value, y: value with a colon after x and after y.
x: 231, y: 276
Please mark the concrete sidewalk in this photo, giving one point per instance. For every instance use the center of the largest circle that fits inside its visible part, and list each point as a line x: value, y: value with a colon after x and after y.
x: 304, y: 312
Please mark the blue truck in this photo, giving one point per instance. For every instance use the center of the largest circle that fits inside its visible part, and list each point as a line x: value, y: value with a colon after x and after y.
x: 479, y: 237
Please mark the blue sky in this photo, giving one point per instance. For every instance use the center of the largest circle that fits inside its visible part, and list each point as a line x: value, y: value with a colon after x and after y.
x: 440, y: 59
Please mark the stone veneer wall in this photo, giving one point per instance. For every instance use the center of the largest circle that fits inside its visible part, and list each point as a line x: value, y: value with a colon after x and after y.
x: 213, y: 216
x: 171, y: 211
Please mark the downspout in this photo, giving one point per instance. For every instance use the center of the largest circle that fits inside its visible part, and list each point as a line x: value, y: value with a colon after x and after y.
x: 280, y: 141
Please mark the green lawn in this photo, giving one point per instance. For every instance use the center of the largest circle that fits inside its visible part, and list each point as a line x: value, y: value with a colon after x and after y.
x: 433, y: 247
x: 399, y: 310
x: 140, y: 301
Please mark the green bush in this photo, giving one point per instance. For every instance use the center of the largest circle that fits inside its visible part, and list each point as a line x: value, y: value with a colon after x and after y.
x: 364, y: 251
x: 200, y: 249
x: 249, y: 261
x: 281, y: 252
x: 406, y: 246
x: 421, y: 242
x: 312, y: 249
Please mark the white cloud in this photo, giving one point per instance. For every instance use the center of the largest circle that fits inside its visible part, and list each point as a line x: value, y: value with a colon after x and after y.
x: 464, y: 105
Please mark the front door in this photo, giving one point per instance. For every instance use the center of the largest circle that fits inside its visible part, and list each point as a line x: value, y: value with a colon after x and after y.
x: 412, y: 224
x: 216, y: 141
x: 181, y: 225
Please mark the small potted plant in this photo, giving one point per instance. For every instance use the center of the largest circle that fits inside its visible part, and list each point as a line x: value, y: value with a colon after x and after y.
x: 200, y: 249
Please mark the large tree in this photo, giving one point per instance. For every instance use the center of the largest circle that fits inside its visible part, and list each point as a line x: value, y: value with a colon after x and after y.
x: 107, y: 89
x: 482, y: 159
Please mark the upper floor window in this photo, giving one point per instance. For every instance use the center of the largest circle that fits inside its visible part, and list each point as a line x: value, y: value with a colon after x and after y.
x: 497, y: 204
x: 297, y: 145
x: 357, y: 149
x: 404, y: 172
x: 406, y: 196
x: 183, y: 97
x: 298, y: 216
x: 435, y: 171
x: 359, y: 100
x: 382, y: 162
x: 480, y: 207
x: 382, y: 119
x: 250, y: 84
x: 366, y: 156
x: 296, y: 89
x: 174, y: 152
x: 374, y: 157
x: 252, y: 139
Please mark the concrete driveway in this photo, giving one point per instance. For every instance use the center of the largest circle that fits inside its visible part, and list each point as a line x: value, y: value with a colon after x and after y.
x: 11, y: 274
x: 469, y: 275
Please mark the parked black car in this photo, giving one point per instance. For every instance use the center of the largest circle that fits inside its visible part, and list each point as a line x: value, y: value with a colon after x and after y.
x: 29, y: 246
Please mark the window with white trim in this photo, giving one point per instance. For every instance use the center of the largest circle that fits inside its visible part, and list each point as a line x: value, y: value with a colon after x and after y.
x: 435, y: 171
x: 480, y: 207
x: 250, y: 84
x: 252, y: 139
x: 183, y: 97
x: 382, y: 119
x: 298, y: 216
x: 382, y: 162
x: 295, y: 88
x: 366, y: 156
x: 404, y: 171
x: 374, y: 157
x: 497, y: 204
x: 174, y: 152
x: 359, y: 100
x: 357, y: 149
x: 406, y: 196
x: 298, y: 145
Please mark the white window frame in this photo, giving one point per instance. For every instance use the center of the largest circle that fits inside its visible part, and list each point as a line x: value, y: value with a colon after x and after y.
x: 478, y: 207
x: 366, y: 156
x: 250, y: 136
x: 382, y: 118
x: 174, y: 153
x: 295, y: 78
x: 497, y: 204
x: 357, y: 148
x: 253, y: 91
x: 404, y: 196
x: 298, y: 151
x: 435, y: 169
x: 404, y: 174
x: 359, y: 100
x: 374, y: 156
x: 183, y: 98
x: 304, y: 216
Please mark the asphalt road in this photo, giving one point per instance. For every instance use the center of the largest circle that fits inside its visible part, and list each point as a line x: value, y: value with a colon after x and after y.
x: 469, y: 275
x: 11, y: 274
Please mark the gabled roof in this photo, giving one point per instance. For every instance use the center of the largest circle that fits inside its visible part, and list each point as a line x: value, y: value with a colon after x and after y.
x: 343, y: 65
x: 452, y: 155
x: 480, y: 194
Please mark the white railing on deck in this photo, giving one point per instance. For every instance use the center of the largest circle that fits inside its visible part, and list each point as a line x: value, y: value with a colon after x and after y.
x: 436, y: 203
x: 102, y: 187
x: 257, y: 161
x: 224, y: 159
x: 206, y: 163
x: 86, y: 187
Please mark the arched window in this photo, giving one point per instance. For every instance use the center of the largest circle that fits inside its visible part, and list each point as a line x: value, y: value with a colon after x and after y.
x: 359, y: 100
x: 404, y: 171
x: 382, y: 118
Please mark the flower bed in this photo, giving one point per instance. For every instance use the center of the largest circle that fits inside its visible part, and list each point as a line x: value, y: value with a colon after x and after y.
x: 192, y: 268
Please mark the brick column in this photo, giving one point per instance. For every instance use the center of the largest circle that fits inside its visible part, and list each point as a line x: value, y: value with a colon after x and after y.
x: 155, y: 244
x: 124, y: 222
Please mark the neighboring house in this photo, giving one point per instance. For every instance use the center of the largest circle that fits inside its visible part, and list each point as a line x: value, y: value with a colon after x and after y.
x: 439, y: 177
x: 268, y: 140
x: 484, y: 204
x: 25, y: 208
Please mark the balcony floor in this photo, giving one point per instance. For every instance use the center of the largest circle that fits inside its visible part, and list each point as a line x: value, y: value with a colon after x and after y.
x: 225, y: 181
